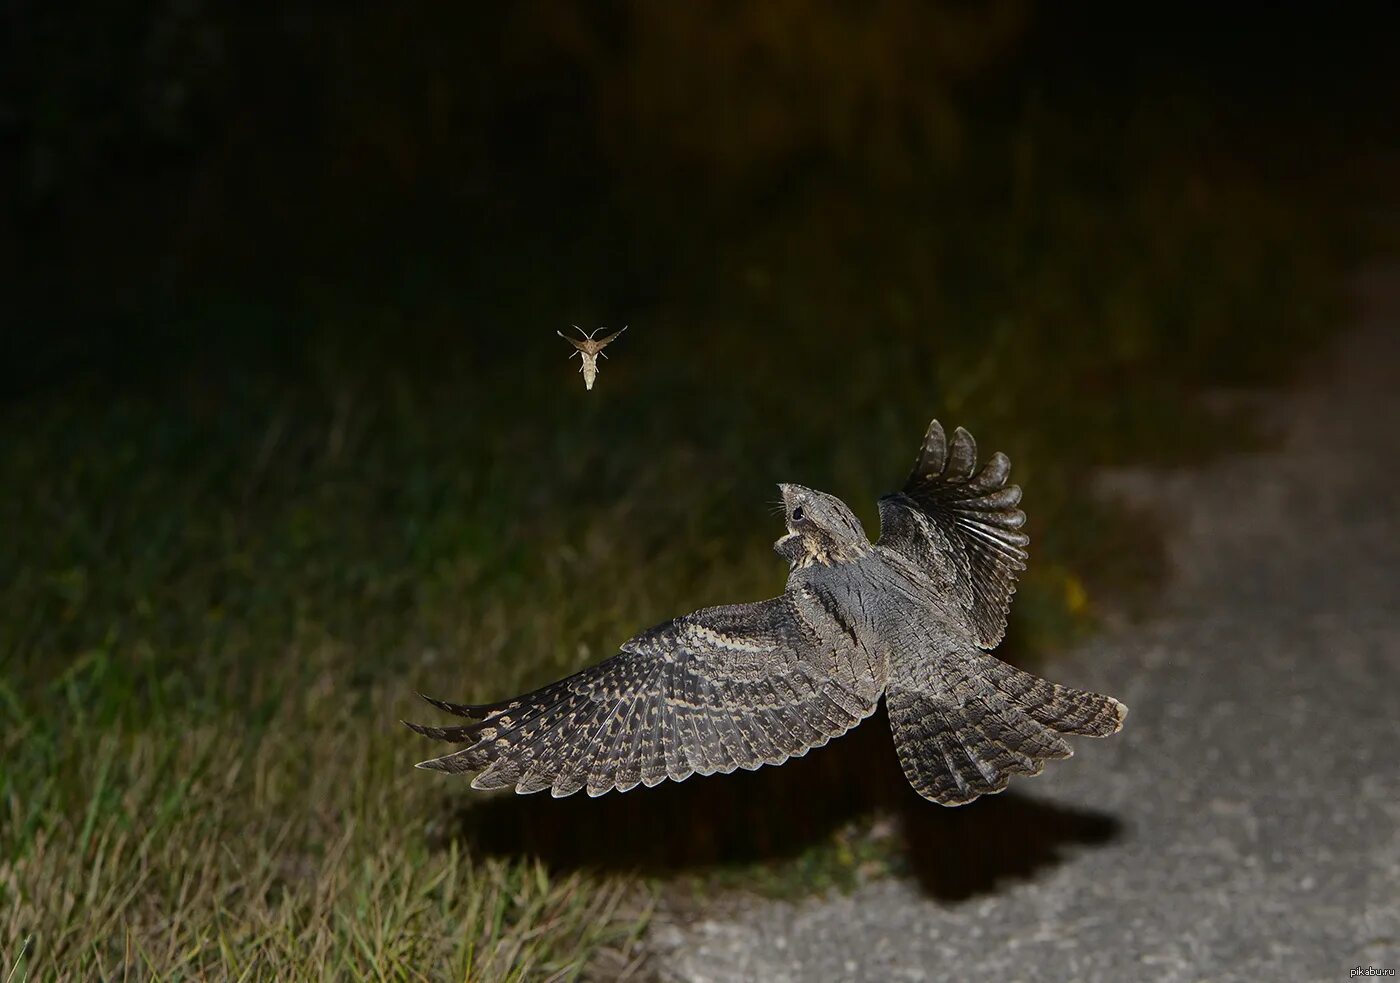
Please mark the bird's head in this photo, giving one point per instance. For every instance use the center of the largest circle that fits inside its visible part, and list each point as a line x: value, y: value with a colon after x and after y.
x: 821, y: 529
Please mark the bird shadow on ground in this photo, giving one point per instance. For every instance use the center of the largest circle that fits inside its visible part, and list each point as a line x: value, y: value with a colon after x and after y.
x: 777, y: 814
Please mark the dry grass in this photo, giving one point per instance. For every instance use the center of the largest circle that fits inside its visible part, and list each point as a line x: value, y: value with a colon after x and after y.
x: 193, y: 849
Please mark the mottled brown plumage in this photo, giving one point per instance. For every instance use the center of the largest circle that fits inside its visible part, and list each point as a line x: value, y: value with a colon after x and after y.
x: 740, y: 686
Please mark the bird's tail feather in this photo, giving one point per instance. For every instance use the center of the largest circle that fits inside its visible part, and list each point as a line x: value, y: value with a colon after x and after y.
x: 1061, y: 708
x: 967, y: 730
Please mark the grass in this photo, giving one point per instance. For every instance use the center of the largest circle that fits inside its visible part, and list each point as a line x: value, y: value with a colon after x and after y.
x: 226, y: 572
x: 198, y: 850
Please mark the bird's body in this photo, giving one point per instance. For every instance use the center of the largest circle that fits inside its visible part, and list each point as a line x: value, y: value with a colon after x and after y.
x: 908, y: 617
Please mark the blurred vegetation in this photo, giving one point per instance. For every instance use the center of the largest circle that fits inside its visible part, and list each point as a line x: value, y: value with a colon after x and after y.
x: 289, y: 435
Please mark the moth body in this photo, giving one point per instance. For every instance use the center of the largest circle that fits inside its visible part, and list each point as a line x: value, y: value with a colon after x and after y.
x: 588, y: 350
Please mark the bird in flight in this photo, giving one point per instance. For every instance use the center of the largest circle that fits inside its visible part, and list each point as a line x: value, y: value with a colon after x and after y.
x: 912, y: 617
x: 589, y: 350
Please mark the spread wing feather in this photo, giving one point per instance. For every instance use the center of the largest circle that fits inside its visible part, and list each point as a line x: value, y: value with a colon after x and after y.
x: 958, y: 735
x: 731, y: 687
x: 960, y: 526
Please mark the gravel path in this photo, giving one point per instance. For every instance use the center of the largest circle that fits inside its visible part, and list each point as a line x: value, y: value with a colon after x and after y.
x: 1252, y: 802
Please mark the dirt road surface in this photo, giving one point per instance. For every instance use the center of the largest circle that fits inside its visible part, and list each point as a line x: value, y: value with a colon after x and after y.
x: 1252, y: 803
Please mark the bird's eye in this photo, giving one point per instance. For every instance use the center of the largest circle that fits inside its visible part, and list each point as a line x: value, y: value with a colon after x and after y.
x: 797, y: 514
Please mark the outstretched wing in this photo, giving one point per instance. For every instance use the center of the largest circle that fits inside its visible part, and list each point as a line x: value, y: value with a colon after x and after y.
x: 606, y: 339
x: 578, y: 345
x: 730, y: 687
x: 961, y: 527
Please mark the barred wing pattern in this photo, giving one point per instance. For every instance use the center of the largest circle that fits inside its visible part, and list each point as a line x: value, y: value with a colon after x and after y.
x: 965, y: 722
x: 961, y: 527
x: 738, y: 686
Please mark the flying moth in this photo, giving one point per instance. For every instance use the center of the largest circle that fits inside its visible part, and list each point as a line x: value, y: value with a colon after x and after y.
x: 588, y: 349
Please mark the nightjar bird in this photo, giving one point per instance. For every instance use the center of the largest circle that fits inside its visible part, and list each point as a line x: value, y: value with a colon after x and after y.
x: 910, y: 617
x: 588, y: 351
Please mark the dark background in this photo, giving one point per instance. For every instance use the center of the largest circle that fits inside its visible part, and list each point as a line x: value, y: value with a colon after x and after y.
x: 518, y: 167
